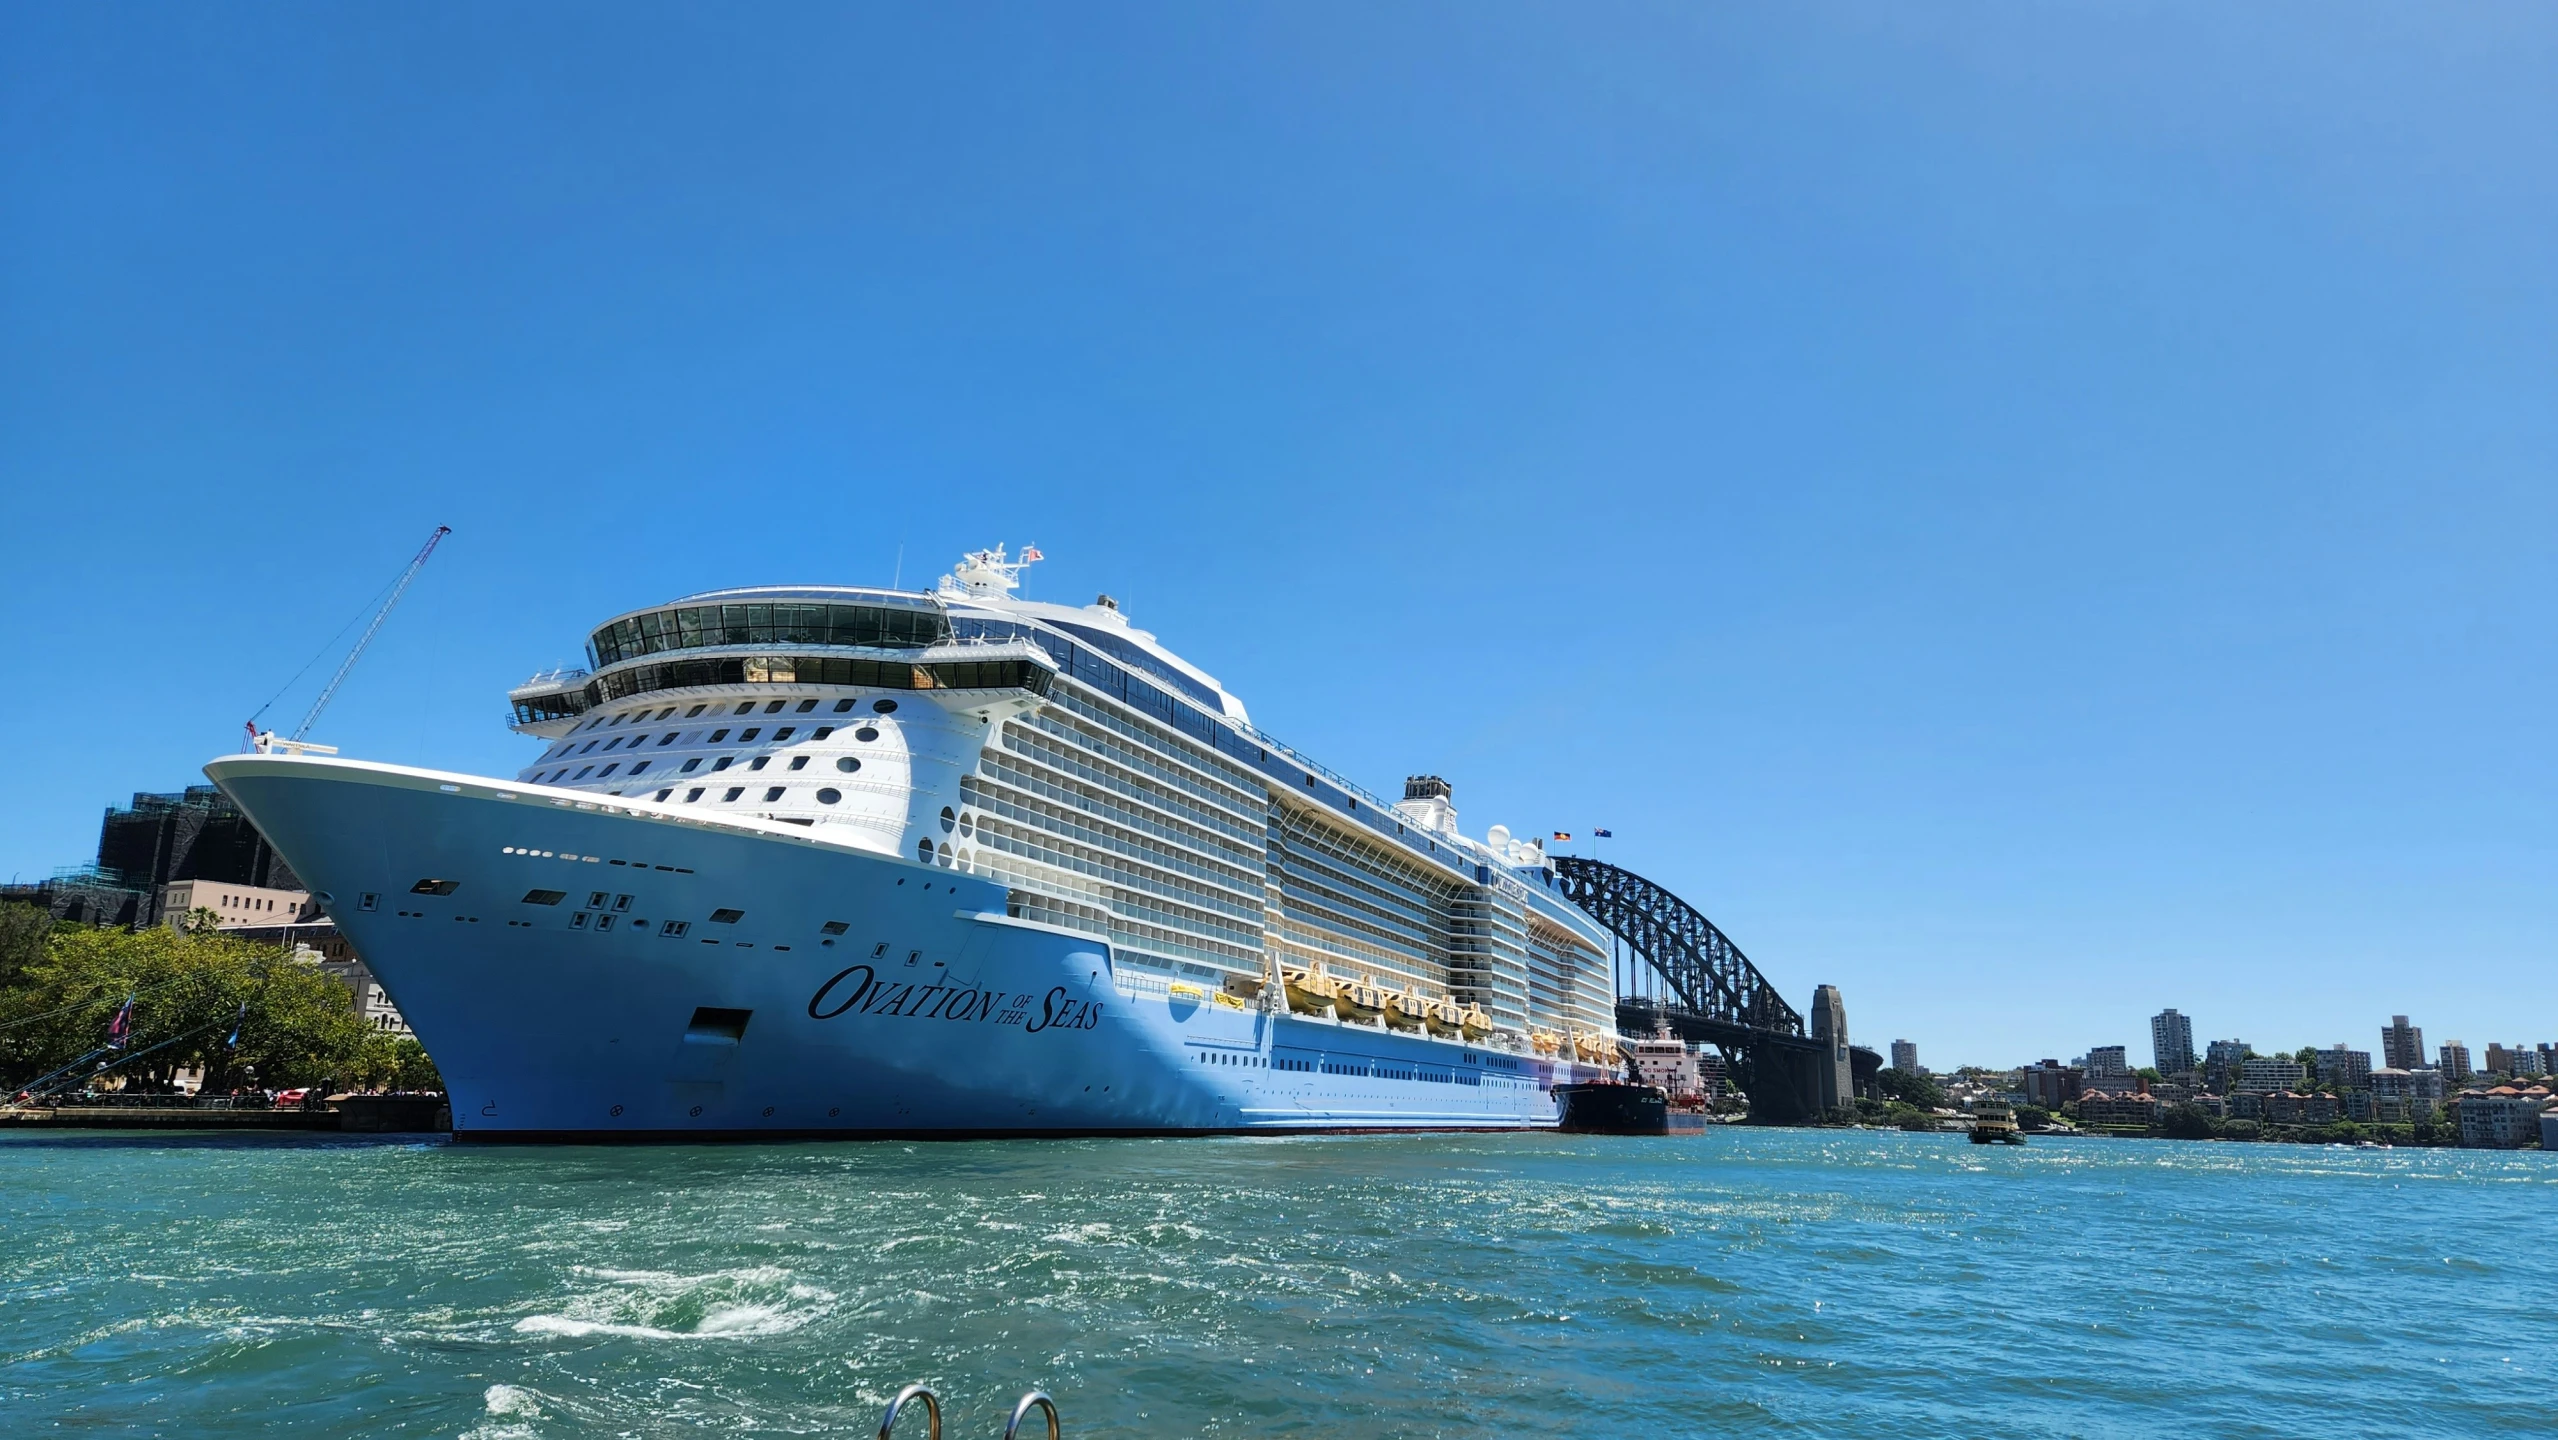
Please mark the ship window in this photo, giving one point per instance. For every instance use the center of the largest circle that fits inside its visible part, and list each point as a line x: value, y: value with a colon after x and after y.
x: 669, y: 710
x: 544, y: 897
x: 776, y: 707
x: 733, y: 792
x: 833, y: 927
x: 603, y: 922
x: 799, y: 762
x: 758, y: 762
x: 805, y: 706
x: 784, y: 733
x: 621, y: 902
x: 949, y: 820
x: 967, y: 826
x: 843, y: 705
x: 717, y: 736
x: 829, y: 796
x: 924, y: 851
x: 722, y: 763
x: 618, y: 719
x: 667, y: 739
x: 662, y: 794
x: 589, y: 746
x: 696, y: 710
x: 642, y: 765
x: 674, y: 929
x: 821, y: 732
x: 848, y: 764
x: 693, y: 794
x: 748, y: 735
x: 866, y: 734
x: 773, y: 794
x: 435, y: 887
x: 691, y: 765
x: 607, y: 770
x: 884, y: 707
x: 727, y: 917
x: 577, y: 921
x: 583, y: 773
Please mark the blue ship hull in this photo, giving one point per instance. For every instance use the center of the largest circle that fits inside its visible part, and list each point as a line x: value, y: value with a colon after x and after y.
x: 596, y: 968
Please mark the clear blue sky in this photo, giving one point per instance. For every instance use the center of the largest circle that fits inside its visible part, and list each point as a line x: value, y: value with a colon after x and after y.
x: 2031, y: 513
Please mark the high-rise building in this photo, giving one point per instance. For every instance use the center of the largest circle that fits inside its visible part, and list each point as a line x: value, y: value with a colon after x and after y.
x: 2266, y: 1075
x: 1905, y: 1057
x: 2108, y: 1068
x: 2171, y: 1042
x: 2051, y: 1084
x: 2455, y: 1063
x: 2344, y: 1068
x: 2402, y: 1046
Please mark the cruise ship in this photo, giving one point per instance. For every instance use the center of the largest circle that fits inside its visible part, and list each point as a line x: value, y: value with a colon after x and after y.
x: 849, y: 861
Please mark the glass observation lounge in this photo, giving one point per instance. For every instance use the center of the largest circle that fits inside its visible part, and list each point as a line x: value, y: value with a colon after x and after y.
x: 705, y: 627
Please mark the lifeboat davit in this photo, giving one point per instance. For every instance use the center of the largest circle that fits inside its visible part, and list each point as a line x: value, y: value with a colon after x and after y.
x: 1357, y: 1000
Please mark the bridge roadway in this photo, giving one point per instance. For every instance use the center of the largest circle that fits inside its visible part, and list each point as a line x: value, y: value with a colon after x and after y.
x: 1710, y: 994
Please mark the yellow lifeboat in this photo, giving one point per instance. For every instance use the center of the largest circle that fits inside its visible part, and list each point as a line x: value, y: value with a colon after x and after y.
x: 1594, y: 1048
x: 1357, y: 1000
x: 1545, y: 1042
x: 1309, y: 989
x: 1444, y: 1017
x: 1474, y: 1022
x: 1407, y: 1011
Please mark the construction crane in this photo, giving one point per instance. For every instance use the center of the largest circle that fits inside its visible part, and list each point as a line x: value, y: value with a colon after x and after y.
x: 265, y: 740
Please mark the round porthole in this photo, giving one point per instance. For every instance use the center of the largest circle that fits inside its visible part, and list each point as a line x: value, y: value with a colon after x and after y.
x: 866, y: 734
x: 829, y: 796
x: 924, y: 851
x: 944, y: 858
x: 884, y: 707
x: 949, y: 820
x: 848, y: 764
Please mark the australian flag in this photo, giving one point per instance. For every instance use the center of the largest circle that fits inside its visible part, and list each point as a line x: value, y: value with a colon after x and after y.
x: 1605, y: 834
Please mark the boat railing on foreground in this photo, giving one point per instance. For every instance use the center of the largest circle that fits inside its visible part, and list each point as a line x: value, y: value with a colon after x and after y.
x: 1035, y: 1400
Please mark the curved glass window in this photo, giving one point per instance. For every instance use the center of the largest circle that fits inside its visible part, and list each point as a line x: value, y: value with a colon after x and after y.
x: 829, y: 796
x: 949, y: 820
x: 848, y: 764
x: 820, y: 670
x: 695, y: 627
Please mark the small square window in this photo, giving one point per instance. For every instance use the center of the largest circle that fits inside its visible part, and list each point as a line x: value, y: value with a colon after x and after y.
x: 435, y: 887
x: 696, y: 710
x: 595, y: 899
x: 805, y: 706
x: 878, y: 950
x: 821, y: 732
x: 544, y: 897
x: 665, y: 740
x: 748, y: 735
x: 783, y: 734
x: 691, y: 765
x: 758, y: 762
x: 745, y: 707
x: 773, y: 794
x: 799, y: 762
x: 733, y: 792
x: 609, y: 769
x: 368, y: 901
x: 577, y: 921
x: 843, y: 705
x: 662, y: 794
x: 717, y: 736
x: 727, y: 917
x: 582, y: 774
x: 721, y: 763
x: 693, y: 794
x: 669, y: 710
x: 603, y: 922
x: 776, y: 707
x: 833, y: 927
x: 622, y: 902
x: 674, y: 929
x: 642, y: 765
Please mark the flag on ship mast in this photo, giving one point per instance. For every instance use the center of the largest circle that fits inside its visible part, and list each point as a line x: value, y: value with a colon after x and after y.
x: 1563, y: 836
x: 120, y: 1029
x: 1605, y: 834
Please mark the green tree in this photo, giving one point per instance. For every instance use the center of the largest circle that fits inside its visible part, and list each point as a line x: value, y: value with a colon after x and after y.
x: 2033, y: 1117
x: 1916, y: 1090
x: 2188, y: 1122
x: 22, y: 933
x: 296, y: 1026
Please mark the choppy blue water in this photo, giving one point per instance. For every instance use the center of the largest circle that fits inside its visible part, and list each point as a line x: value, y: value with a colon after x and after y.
x: 1742, y: 1283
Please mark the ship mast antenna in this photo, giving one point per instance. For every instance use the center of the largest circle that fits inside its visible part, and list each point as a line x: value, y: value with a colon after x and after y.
x: 329, y: 692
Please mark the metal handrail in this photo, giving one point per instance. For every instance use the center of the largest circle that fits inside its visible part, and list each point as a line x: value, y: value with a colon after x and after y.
x: 1040, y: 1399
x: 932, y: 1410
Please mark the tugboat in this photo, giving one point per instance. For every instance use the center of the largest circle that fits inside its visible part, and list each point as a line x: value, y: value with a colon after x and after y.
x: 1995, y: 1125
x: 1613, y: 1107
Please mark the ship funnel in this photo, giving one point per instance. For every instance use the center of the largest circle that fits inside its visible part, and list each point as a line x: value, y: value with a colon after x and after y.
x: 1429, y: 803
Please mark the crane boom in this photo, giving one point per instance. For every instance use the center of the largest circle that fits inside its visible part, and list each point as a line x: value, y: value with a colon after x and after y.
x: 330, y: 693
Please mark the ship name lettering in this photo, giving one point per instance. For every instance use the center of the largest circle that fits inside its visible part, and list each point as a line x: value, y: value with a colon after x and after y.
x: 858, y: 989
x: 1056, y: 1012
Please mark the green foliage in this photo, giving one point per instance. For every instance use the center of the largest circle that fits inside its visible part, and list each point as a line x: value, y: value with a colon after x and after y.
x: 1916, y: 1090
x: 2033, y: 1117
x: 1908, y: 1117
x: 23, y: 929
x: 296, y: 1025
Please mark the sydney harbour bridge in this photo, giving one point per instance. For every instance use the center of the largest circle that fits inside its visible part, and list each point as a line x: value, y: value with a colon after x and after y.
x: 1675, y: 968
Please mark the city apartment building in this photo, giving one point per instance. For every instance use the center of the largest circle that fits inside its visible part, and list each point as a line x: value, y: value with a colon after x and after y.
x: 2345, y: 1068
x: 2108, y: 1068
x: 2171, y: 1042
x: 2399, y: 1095
x: 2285, y: 1107
x: 2266, y: 1075
x: 234, y: 906
x: 2402, y: 1046
x: 2454, y: 1063
x: 2096, y: 1107
x: 2051, y: 1084
x: 2504, y: 1118
x: 1905, y: 1057
x: 2522, y: 1061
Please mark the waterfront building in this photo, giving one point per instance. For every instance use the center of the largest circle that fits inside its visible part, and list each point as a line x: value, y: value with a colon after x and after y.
x: 2108, y: 1068
x: 2402, y: 1046
x: 2097, y: 1107
x: 2453, y: 1061
x: 2344, y: 1067
x: 2521, y: 1061
x: 2051, y: 1084
x: 2501, y: 1118
x: 2171, y: 1042
x: 2398, y: 1095
x: 1905, y: 1057
x: 233, y: 906
x: 193, y: 834
x: 2288, y: 1107
x: 2266, y: 1074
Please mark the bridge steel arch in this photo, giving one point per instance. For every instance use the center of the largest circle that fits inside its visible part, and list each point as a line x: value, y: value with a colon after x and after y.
x: 1714, y: 994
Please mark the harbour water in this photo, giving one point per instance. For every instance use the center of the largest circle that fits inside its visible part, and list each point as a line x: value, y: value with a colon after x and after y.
x: 1747, y: 1282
